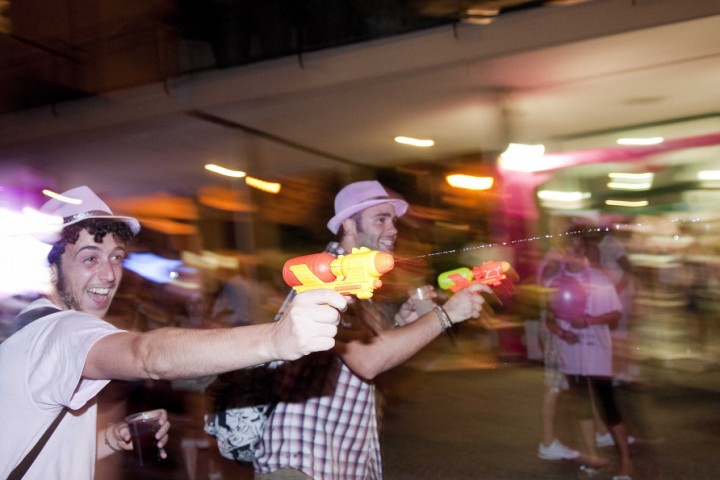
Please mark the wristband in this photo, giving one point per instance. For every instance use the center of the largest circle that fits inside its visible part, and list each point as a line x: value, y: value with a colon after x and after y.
x: 443, y: 318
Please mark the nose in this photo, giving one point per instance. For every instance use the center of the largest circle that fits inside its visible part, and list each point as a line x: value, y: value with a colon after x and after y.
x: 392, y: 229
x: 108, y: 272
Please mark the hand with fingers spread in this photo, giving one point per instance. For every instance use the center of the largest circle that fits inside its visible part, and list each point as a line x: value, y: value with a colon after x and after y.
x: 467, y: 303
x: 309, y: 325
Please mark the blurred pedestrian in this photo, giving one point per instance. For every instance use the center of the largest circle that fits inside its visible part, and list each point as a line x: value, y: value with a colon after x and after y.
x: 551, y: 448
x: 585, y: 350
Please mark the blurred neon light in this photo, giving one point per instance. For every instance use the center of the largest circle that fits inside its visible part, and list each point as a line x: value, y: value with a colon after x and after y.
x: 640, y: 141
x: 152, y: 267
x: 708, y: 175
x: 639, y: 177
x: 625, y: 203
x: 558, y: 196
x: 269, y: 187
x: 415, y: 142
x: 629, y: 186
x: 470, y: 182
x: 224, y: 171
x: 23, y: 258
x: 519, y: 157
x: 62, y: 198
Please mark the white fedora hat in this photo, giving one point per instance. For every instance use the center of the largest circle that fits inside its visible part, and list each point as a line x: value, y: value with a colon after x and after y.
x: 359, y: 196
x: 82, y: 204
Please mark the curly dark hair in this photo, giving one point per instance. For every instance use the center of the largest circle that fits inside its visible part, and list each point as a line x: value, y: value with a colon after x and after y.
x: 97, y: 227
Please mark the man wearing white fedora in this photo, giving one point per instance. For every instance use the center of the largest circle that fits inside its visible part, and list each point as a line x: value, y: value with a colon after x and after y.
x: 324, y: 426
x: 52, y: 369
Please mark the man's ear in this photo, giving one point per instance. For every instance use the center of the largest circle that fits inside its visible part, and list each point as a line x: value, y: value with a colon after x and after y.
x: 349, y: 226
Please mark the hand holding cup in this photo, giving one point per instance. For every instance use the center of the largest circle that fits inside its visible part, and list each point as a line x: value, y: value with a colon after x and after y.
x: 147, y: 433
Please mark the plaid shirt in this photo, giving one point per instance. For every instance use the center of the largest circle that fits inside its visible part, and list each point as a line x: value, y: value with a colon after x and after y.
x: 325, y: 425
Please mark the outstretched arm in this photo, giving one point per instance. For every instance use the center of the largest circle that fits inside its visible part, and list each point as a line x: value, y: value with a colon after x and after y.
x: 309, y: 325
x: 368, y: 357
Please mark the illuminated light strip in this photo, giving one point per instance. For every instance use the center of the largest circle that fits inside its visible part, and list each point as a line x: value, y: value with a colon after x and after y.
x: 62, y: 198
x: 485, y: 12
x: 708, y: 175
x: 642, y: 177
x: 270, y: 187
x: 629, y: 186
x: 562, y: 196
x: 519, y: 157
x: 225, y: 171
x: 470, y: 182
x: 415, y: 142
x: 640, y: 141
x: 625, y: 203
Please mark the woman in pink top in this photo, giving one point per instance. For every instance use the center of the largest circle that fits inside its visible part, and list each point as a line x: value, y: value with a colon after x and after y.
x: 585, y: 351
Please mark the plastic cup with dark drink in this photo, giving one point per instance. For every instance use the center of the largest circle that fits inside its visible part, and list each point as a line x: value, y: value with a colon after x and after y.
x: 143, y: 427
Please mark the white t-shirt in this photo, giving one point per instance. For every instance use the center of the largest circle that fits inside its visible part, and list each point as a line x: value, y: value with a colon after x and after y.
x: 40, y: 373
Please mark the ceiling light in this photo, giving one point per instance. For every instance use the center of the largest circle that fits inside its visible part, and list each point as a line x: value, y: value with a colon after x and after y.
x: 566, y: 2
x: 708, y: 175
x: 640, y: 141
x: 556, y: 195
x: 269, y: 187
x: 626, y: 203
x: 478, y: 20
x: 562, y: 200
x: 483, y: 12
x: 519, y: 157
x: 224, y: 171
x: 470, y: 182
x: 629, y: 186
x: 415, y: 142
x: 640, y: 177
x: 62, y: 198
x: 630, y: 181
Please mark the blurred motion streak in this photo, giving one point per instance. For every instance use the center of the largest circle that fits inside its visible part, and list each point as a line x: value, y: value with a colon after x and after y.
x: 470, y: 182
x: 22, y: 257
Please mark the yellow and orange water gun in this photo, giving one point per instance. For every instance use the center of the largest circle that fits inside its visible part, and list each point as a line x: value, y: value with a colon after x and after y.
x: 357, y: 273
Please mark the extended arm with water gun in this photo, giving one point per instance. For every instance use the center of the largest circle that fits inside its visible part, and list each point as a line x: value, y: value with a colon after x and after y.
x: 490, y: 273
x: 357, y: 273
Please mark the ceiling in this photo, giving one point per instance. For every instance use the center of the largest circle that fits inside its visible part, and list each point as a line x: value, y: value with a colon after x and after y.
x: 569, y: 76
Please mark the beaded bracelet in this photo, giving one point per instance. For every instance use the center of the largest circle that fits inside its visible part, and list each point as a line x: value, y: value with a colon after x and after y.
x: 443, y: 318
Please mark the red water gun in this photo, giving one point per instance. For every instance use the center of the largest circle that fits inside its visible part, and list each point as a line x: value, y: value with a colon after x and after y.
x: 357, y: 273
x: 490, y: 273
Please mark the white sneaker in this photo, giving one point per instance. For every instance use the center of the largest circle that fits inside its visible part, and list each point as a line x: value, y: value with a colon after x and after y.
x: 557, y: 451
x: 607, y: 440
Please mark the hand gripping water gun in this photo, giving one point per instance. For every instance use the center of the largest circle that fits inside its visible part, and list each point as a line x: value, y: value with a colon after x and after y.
x: 490, y: 273
x: 357, y: 273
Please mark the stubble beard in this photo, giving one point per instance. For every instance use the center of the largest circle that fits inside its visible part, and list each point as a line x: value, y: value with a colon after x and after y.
x: 66, y: 297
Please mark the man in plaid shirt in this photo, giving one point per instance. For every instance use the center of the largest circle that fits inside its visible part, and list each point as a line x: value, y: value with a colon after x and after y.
x: 324, y: 427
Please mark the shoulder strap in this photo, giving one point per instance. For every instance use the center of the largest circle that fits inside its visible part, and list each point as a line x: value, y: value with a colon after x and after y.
x: 25, y: 463
x: 31, y: 315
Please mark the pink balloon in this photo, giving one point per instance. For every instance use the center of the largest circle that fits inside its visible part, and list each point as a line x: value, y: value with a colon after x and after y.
x: 567, y: 298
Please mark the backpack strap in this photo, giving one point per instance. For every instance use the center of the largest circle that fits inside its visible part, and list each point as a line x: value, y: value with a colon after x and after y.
x: 22, y: 467
x: 31, y: 315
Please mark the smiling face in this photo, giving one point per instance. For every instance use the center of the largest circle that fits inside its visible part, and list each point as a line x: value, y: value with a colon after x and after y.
x: 88, y: 274
x: 373, y: 228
